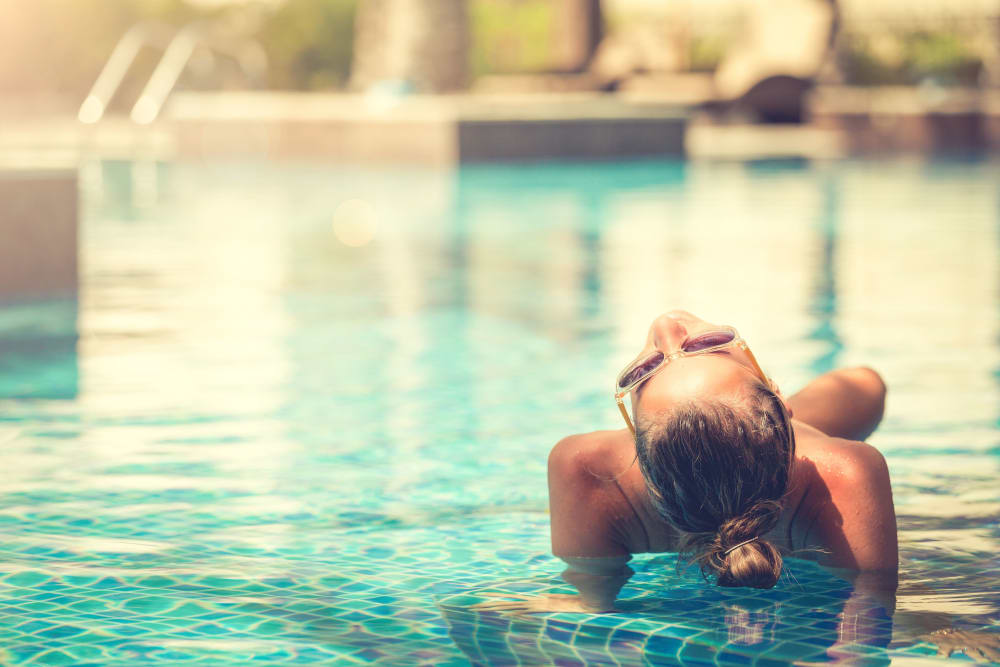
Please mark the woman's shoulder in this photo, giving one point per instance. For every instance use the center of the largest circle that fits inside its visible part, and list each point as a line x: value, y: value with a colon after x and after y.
x: 590, y: 481
x: 600, y: 455
x: 838, y: 461
x: 850, y: 497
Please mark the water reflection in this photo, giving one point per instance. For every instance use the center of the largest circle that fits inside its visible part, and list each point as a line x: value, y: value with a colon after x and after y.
x: 38, y: 357
x: 824, y: 303
x: 815, y: 618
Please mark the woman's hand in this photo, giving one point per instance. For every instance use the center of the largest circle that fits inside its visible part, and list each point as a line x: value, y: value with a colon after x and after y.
x: 536, y: 604
x: 980, y: 646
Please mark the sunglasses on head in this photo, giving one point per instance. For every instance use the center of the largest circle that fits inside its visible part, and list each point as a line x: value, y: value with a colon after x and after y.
x: 646, y: 365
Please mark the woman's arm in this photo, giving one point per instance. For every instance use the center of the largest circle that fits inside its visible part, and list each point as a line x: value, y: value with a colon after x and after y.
x: 598, y: 580
x: 866, y: 617
x: 587, y: 511
x: 846, y: 403
x: 855, y: 519
x: 587, y: 508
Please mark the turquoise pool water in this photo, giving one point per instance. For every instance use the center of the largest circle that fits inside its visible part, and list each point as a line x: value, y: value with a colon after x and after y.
x: 300, y: 414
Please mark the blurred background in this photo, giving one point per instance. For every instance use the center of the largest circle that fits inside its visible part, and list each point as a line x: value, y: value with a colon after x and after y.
x: 53, y: 49
x: 296, y: 295
x: 828, y: 62
x: 855, y: 77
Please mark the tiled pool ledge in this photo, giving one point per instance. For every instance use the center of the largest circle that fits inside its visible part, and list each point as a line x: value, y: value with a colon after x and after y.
x: 909, y: 119
x: 845, y: 121
x: 425, y: 129
x: 456, y: 129
x: 59, y: 138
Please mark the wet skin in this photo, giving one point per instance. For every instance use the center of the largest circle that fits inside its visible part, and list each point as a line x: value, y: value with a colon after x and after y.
x: 838, y: 509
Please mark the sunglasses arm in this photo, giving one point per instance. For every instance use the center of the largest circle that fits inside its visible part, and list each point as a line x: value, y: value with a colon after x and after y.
x: 624, y: 411
x: 753, y: 360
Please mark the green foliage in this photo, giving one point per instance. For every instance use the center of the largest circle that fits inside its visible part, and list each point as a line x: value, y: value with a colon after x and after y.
x: 511, y: 36
x: 909, y: 58
x: 310, y: 43
x: 863, y: 65
x: 705, y: 52
x: 944, y: 56
x: 59, y: 46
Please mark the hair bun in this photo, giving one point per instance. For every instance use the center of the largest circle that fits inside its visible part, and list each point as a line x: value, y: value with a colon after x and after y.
x: 753, y: 562
x: 735, y: 547
x: 740, y: 556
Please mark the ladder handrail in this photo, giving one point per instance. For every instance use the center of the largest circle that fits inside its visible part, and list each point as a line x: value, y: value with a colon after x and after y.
x: 177, y: 52
x: 117, y: 66
x: 168, y: 71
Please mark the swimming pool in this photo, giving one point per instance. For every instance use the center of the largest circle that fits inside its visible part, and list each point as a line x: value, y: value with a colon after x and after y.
x: 279, y: 427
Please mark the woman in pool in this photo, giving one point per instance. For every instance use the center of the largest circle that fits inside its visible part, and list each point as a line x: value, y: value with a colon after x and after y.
x: 722, y: 468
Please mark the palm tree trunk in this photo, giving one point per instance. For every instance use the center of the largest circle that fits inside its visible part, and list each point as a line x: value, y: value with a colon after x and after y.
x: 421, y: 44
x: 579, y: 29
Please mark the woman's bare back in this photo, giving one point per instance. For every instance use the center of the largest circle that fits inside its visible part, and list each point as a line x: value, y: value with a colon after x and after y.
x: 838, y: 509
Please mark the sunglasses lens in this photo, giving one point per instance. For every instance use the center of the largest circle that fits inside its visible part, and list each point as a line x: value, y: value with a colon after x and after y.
x: 642, y: 367
x: 709, y: 340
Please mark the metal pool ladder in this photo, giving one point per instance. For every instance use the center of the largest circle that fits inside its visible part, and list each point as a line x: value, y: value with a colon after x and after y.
x: 177, y: 52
